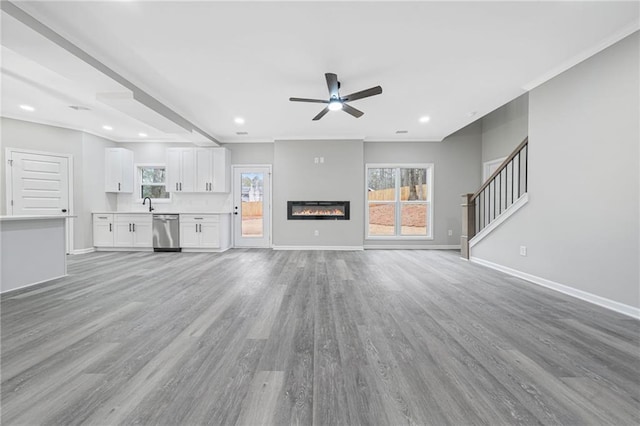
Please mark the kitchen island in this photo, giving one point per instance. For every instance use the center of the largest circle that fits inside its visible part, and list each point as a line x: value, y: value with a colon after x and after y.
x: 32, y: 250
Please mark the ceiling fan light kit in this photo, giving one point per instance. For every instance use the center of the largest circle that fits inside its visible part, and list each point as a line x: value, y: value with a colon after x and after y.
x: 336, y: 102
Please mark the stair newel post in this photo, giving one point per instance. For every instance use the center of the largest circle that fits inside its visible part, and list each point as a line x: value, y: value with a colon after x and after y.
x: 468, y: 223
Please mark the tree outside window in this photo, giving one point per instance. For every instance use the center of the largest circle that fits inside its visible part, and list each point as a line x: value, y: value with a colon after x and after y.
x: 152, y: 182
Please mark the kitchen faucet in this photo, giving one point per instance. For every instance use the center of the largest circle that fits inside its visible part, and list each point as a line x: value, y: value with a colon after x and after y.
x: 144, y: 202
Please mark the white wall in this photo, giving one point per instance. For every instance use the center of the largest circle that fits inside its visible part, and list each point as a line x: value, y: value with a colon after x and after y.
x: 456, y: 171
x: 339, y: 178
x: 582, y: 223
x: 88, y: 167
x: 504, y: 128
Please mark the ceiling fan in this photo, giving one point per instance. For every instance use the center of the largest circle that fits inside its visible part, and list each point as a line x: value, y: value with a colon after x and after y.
x: 337, y: 102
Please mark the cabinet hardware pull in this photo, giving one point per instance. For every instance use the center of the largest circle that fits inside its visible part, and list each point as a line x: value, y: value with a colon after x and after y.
x: 134, y: 227
x: 197, y: 218
x: 118, y: 186
x: 200, y: 228
x: 102, y: 217
x: 176, y: 186
x: 196, y: 227
x: 180, y: 186
x: 109, y: 227
x: 129, y: 227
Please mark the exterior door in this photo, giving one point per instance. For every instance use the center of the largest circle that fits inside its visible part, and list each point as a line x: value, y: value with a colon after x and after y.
x: 252, y: 206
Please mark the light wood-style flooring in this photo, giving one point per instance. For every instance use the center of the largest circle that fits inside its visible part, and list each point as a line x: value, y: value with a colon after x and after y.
x: 252, y: 337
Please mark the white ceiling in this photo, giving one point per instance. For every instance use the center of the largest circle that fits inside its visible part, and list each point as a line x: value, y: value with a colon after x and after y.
x: 213, y: 61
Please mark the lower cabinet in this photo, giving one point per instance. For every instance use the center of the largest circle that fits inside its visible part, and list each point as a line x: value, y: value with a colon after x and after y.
x: 132, y: 230
x: 205, y: 232
x: 122, y: 230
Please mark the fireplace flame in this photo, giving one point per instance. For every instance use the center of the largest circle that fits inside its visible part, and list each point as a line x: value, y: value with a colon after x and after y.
x: 318, y: 212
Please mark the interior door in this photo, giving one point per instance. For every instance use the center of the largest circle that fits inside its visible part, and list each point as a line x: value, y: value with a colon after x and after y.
x: 39, y: 184
x: 252, y: 206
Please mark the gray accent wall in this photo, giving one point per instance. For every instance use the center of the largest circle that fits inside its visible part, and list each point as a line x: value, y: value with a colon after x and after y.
x: 251, y: 153
x: 504, y: 128
x: 582, y: 223
x: 456, y: 170
x: 296, y: 177
x: 88, y: 168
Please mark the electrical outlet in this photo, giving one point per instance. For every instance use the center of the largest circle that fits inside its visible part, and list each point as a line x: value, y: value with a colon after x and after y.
x: 523, y: 250
x: 450, y: 232
x: 316, y: 233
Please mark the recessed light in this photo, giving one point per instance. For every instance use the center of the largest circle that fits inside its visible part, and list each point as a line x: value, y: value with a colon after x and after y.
x: 400, y: 132
x: 242, y: 133
x: 238, y: 120
x: 142, y: 135
x: 27, y: 108
x: 425, y: 119
x: 107, y: 127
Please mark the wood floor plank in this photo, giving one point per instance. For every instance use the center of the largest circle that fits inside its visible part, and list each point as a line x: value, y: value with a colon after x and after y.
x: 257, y: 336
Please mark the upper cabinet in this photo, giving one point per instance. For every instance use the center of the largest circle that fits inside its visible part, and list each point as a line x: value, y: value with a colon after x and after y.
x: 213, y: 173
x: 118, y: 170
x: 198, y: 170
x: 180, y: 170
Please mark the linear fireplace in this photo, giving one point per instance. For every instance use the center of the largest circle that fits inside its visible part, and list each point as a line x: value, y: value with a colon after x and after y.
x: 318, y: 210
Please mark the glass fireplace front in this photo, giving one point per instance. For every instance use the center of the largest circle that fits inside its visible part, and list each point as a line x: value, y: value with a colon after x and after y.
x: 318, y: 210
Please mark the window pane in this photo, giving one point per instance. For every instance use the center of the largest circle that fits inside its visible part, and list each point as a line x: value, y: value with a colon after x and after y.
x: 414, y: 219
x: 413, y: 184
x: 382, y: 218
x: 252, y: 203
x: 153, y: 175
x: 154, y: 191
x: 381, y: 184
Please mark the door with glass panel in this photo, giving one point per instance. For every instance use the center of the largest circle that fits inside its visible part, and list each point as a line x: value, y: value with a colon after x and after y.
x: 252, y: 206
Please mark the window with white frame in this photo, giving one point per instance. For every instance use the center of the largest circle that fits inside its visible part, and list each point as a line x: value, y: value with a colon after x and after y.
x: 151, y: 181
x: 399, y: 201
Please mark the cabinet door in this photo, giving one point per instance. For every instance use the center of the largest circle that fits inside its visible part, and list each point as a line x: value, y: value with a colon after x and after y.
x: 142, y: 234
x: 113, y: 170
x: 174, y: 169
x: 103, y: 230
x: 209, y: 235
x: 204, y: 169
x: 126, y: 164
x: 189, y: 235
x: 221, y: 170
x: 187, y: 183
x: 122, y: 235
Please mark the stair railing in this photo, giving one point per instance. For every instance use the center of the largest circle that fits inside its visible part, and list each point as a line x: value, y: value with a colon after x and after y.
x: 503, y: 188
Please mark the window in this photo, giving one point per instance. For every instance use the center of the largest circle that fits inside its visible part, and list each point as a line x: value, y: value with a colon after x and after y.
x: 399, y: 201
x: 151, y: 182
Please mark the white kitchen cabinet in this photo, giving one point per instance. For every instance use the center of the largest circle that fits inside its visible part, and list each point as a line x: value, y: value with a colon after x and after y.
x: 132, y: 230
x: 213, y: 170
x: 118, y: 170
x: 204, y: 232
x: 103, y: 230
x: 180, y: 170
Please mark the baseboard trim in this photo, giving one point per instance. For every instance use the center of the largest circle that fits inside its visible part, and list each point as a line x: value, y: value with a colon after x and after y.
x: 32, y: 284
x: 124, y: 249
x: 336, y: 248
x: 570, y: 291
x: 205, y: 250
x: 412, y: 247
x: 510, y: 211
x: 83, y: 251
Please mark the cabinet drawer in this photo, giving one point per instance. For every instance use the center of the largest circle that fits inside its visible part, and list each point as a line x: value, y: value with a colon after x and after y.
x: 199, y: 218
x: 133, y: 218
x: 98, y: 218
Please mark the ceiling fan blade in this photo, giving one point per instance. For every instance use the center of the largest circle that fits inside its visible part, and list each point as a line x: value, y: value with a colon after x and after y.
x: 321, y: 114
x: 332, y: 84
x: 351, y: 110
x: 316, y: 101
x: 363, y: 94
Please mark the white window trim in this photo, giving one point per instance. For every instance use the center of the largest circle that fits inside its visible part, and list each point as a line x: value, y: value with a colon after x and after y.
x: 398, y: 203
x: 138, y: 174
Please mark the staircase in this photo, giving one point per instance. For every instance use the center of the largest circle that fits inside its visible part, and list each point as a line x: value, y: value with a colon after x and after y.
x: 503, y: 192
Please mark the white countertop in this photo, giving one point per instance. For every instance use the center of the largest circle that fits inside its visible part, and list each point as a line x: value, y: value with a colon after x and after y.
x: 33, y: 217
x: 161, y: 212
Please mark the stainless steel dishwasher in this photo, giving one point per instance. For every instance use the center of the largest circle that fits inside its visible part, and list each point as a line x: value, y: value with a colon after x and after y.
x: 166, y: 232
